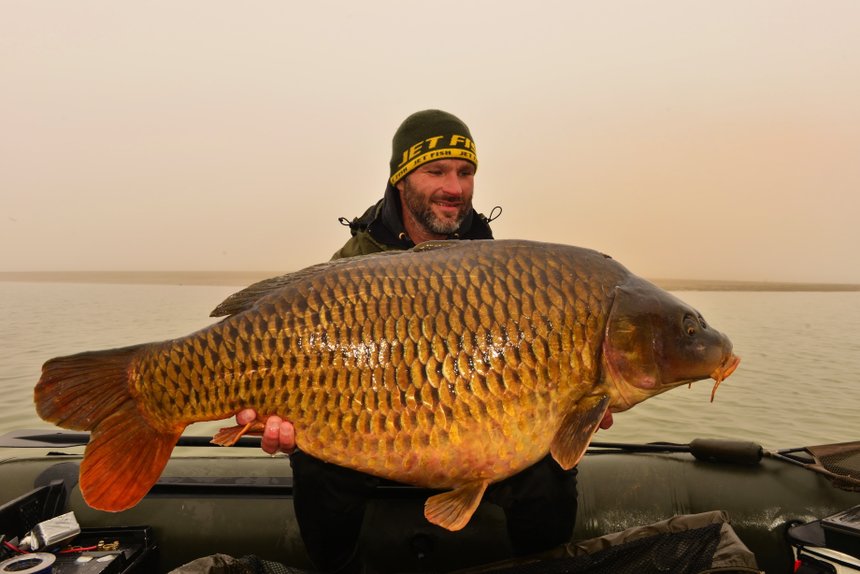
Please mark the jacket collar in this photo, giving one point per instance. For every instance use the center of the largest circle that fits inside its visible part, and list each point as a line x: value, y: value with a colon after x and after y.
x: 384, y: 222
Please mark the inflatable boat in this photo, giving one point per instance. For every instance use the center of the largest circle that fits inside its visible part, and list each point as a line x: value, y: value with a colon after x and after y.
x: 238, y: 502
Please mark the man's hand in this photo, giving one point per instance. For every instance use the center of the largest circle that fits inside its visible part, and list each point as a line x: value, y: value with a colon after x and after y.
x: 279, y: 435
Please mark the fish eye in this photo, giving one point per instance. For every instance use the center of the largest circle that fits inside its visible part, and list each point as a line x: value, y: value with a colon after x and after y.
x: 691, y: 325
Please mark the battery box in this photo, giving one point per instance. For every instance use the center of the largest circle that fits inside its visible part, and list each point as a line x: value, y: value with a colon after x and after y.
x: 124, y: 550
x: 119, y: 550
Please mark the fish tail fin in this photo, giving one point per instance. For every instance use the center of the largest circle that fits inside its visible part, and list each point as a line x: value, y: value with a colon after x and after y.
x: 126, y: 452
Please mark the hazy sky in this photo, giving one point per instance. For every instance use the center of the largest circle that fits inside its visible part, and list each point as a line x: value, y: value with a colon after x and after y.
x: 706, y: 140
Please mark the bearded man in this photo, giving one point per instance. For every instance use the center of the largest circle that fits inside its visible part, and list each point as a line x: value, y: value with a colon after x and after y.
x: 429, y: 193
x: 428, y: 197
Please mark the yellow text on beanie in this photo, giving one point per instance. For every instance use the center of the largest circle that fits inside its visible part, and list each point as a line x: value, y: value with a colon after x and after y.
x: 427, y: 136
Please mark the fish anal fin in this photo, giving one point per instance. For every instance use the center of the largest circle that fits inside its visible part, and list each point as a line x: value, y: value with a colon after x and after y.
x: 123, y: 459
x: 453, y: 509
x: 228, y: 436
x: 577, y: 427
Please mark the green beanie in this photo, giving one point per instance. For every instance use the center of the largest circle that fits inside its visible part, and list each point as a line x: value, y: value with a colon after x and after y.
x: 428, y: 136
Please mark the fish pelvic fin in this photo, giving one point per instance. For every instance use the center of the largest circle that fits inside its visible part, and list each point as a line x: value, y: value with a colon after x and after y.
x: 228, y: 436
x: 452, y: 510
x: 577, y: 427
x: 126, y: 453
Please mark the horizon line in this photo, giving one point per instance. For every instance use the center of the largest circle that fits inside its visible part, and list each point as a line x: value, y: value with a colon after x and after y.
x: 242, y: 278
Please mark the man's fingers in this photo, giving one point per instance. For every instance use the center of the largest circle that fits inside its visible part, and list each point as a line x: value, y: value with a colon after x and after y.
x: 271, y: 441
x: 278, y: 435
x: 287, y: 437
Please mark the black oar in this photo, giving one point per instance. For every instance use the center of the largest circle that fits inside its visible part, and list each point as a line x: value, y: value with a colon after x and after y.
x: 726, y: 451
x: 46, y: 438
x: 36, y: 438
x: 711, y: 450
x: 746, y: 453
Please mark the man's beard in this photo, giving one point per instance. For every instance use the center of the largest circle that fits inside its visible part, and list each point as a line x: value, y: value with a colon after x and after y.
x: 422, y: 210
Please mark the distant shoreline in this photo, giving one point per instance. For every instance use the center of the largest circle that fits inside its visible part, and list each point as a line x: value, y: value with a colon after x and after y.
x: 242, y: 278
x: 716, y: 285
x: 213, y: 278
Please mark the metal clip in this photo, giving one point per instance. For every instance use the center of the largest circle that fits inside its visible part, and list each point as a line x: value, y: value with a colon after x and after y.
x: 102, y: 545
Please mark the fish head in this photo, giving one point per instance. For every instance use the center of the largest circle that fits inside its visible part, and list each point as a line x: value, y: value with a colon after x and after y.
x: 655, y: 342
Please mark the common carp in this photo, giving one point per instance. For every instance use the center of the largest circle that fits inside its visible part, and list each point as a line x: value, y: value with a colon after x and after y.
x: 450, y: 366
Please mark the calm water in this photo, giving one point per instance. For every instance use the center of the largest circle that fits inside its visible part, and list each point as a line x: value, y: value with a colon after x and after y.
x: 798, y: 383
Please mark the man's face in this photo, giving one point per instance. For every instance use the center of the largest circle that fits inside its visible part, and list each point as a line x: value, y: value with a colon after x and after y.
x: 438, y: 195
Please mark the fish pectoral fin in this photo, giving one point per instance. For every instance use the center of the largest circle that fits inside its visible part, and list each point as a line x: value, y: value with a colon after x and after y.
x: 577, y: 428
x: 228, y: 436
x: 453, y: 509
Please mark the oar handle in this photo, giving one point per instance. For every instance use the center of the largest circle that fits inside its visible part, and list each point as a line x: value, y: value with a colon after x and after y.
x: 43, y: 438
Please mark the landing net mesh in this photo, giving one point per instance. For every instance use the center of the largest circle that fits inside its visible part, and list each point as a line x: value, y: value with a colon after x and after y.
x: 842, y: 460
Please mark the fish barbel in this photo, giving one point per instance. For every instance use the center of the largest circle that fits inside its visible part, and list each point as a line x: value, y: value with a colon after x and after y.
x: 449, y: 366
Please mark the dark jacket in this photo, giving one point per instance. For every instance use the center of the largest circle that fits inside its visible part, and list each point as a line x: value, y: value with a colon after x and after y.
x: 381, y: 228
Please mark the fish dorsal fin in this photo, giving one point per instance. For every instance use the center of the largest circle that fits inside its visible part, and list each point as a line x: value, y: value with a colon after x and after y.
x: 434, y: 244
x: 244, y: 299
x: 577, y: 428
x: 453, y: 509
x: 247, y: 297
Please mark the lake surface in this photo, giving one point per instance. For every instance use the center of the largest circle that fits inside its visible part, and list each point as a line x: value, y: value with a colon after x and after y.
x: 798, y: 383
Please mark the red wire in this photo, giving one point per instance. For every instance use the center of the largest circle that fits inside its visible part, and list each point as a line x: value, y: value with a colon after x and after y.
x: 74, y: 549
x: 12, y: 547
x: 70, y: 550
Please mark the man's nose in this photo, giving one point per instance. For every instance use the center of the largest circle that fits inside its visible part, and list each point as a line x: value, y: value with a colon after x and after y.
x: 451, y: 183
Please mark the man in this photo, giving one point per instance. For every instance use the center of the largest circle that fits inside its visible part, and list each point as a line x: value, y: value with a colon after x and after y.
x: 428, y: 197
x: 429, y: 193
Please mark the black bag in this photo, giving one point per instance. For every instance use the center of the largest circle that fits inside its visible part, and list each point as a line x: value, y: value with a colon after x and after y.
x: 688, y: 544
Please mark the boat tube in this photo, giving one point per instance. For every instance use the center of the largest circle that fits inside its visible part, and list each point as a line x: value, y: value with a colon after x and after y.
x: 242, y: 505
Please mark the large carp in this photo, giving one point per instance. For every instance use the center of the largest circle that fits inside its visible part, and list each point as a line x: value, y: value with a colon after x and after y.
x: 450, y: 366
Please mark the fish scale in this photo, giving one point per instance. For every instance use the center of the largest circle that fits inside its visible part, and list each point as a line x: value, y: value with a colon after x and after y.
x: 450, y: 366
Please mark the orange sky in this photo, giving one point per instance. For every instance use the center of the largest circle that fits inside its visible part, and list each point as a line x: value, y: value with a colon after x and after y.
x: 706, y: 140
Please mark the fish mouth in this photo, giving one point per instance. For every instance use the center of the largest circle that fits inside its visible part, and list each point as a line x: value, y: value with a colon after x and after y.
x: 722, y: 372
